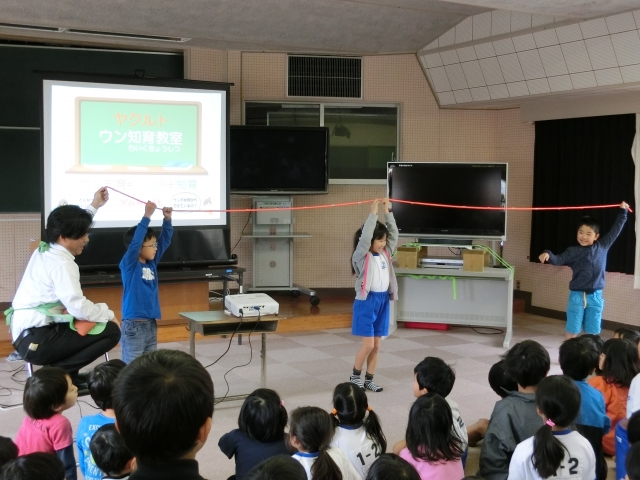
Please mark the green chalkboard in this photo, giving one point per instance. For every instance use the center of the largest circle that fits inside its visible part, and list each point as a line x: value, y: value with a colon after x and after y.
x: 20, y: 92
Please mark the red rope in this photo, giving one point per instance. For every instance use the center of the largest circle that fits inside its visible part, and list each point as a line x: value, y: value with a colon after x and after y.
x: 362, y: 202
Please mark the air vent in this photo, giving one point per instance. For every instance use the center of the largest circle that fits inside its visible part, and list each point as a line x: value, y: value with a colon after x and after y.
x: 155, y: 38
x: 315, y: 76
x: 38, y: 28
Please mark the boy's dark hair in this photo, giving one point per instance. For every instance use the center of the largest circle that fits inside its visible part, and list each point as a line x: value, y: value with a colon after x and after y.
x: 429, y: 434
x: 633, y: 428
x: 263, y: 417
x: 314, y: 429
x: 40, y: 466
x: 68, y: 221
x: 527, y: 363
x: 632, y: 463
x: 379, y: 231
x: 161, y: 401
x: 558, y: 399
x: 8, y: 450
x: 278, y: 467
x: 389, y: 466
x: 128, y: 235
x: 44, y: 390
x: 578, y: 357
x: 621, y: 362
x: 109, y: 451
x: 435, y: 375
x: 499, y: 381
x: 100, y: 382
x: 630, y: 334
x: 590, y: 222
x: 352, y: 406
x: 597, y: 340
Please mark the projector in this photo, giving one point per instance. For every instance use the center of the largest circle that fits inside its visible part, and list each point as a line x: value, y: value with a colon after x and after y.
x: 251, y: 304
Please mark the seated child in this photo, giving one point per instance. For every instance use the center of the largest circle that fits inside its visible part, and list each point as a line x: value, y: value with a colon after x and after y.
x: 47, y: 394
x: 578, y: 359
x: 619, y: 365
x: 162, y: 431
x: 111, y: 454
x: 140, y: 302
x: 100, y: 382
x: 433, y: 375
x: 514, y: 418
x: 358, y: 431
x: 311, y: 430
x: 433, y: 448
x: 627, y: 433
x: 630, y: 334
x: 8, y: 450
x: 34, y: 466
x: 260, y: 433
x: 555, y: 451
x: 632, y: 463
x: 390, y: 466
x: 278, y: 467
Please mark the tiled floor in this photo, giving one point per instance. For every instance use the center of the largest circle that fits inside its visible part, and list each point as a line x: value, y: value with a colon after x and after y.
x: 305, y: 367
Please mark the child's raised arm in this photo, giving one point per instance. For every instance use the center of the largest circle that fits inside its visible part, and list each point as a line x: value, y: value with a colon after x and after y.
x: 607, y: 239
x: 164, y: 240
x: 364, y: 243
x: 390, y: 221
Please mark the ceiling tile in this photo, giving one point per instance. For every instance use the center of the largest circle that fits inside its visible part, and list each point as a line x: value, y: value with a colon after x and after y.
x: 446, y: 98
x: 473, y: 74
x: 463, y: 96
x: 500, y: 22
x: 560, y: 83
x: 510, y: 66
x: 480, y: 94
x: 440, y: 80
x: 498, y: 91
x: 449, y: 57
x: 594, y: 28
x: 569, y: 33
x: 504, y: 46
x: 583, y: 80
x: 518, y: 89
x: 456, y: 77
x: 520, y: 21
x: 531, y: 64
x: 539, y: 20
x: 491, y: 71
x: 432, y: 60
x: 609, y: 76
x: 464, y: 30
x: 538, y: 86
x: 447, y: 38
x: 546, y: 38
x: 466, y: 54
x: 524, y: 42
x: 432, y: 45
x: 627, y: 47
x: 620, y: 23
x: 636, y: 17
x: 601, y: 52
x: 576, y: 56
x: 484, y: 50
x: 482, y: 25
x: 630, y: 73
x: 553, y: 61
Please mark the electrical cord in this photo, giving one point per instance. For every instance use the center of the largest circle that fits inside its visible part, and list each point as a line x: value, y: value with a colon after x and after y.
x: 230, y: 340
x: 242, y: 232
x: 494, y: 330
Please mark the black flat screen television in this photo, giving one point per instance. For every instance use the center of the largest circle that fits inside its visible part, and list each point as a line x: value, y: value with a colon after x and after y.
x: 276, y: 160
x: 469, y: 184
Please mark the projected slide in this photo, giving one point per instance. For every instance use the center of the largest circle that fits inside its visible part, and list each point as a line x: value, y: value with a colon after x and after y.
x: 159, y: 143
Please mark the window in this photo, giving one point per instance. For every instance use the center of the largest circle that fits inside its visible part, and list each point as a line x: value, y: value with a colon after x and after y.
x: 363, y: 137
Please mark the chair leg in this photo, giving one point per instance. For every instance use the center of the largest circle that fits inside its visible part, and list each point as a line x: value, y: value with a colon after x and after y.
x: 29, y: 369
x: 106, y: 357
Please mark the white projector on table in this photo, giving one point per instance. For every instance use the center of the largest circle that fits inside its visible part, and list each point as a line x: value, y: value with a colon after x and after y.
x: 251, y: 304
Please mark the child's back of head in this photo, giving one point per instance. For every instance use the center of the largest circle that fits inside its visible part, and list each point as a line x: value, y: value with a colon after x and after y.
x: 389, y: 466
x: 619, y: 362
x: 101, y: 380
x: 164, y: 403
x: 499, y: 381
x: 8, y: 450
x: 632, y: 462
x: 527, y: 363
x: 44, y: 391
x: 596, y: 339
x: 435, y: 376
x: 578, y: 357
x: 429, y: 434
x: 278, y: 467
x: 628, y: 334
x: 109, y: 451
x: 263, y: 417
x: 633, y: 428
x: 351, y: 407
x: 34, y: 466
x: 312, y: 428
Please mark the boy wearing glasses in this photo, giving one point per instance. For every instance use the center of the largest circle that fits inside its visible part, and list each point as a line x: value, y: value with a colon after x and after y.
x: 140, y: 302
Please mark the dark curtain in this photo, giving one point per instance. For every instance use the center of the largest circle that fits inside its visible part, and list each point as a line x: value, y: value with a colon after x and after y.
x: 583, y: 161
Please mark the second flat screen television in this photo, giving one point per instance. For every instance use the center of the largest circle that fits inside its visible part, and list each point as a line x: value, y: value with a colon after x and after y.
x: 278, y: 160
x: 470, y: 184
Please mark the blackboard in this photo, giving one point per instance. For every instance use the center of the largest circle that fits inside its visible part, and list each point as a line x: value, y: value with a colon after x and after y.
x: 20, y: 92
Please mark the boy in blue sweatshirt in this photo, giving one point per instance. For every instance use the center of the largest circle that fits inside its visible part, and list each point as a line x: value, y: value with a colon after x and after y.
x: 140, y: 302
x: 588, y: 262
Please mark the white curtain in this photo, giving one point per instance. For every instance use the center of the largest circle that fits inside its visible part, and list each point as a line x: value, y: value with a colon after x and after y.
x: 635, y: 153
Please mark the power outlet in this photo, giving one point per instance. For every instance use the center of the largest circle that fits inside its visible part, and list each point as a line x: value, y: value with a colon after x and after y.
x: 517, y: 284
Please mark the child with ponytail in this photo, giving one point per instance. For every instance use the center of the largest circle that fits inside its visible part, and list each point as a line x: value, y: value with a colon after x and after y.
x: 358, y: 433
x: 555, y: 451
x: 310, y: 432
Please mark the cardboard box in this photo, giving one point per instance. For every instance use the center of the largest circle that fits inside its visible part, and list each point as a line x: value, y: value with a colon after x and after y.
x: 409, y: 257
x: 475, y: 260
